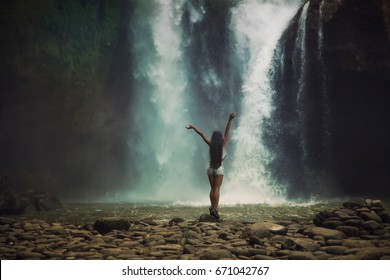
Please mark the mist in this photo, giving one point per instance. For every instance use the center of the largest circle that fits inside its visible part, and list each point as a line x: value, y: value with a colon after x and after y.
x: 195, y: 64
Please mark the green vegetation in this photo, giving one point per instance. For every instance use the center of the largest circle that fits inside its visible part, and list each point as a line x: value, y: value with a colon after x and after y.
x: 58, y: 51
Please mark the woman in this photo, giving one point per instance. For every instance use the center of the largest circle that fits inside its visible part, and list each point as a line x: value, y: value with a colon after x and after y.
x: 215, y: 171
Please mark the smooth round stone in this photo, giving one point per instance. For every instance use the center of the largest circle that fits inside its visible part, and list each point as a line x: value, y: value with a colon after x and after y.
x: 206, y: 218
x: 368, y: 201
x: 255, y: 240
x: 333, y: 242
x: 216, y: 254
x: 369, y: 254
x: 276, y: 228
x: 370, y: 216
x: 30, y: 255
x: 258, y: 230
x: 372, y: 225
x: 350, y: 231
x: 263, y: 257
x: 332, y: 223
x: 377, y: 203
x: 189, y: 249
x: 175, y: 221
x: 353, y: 222
x: 344, y: 257
x: 223, y: 235
x: 277, y: 239
x: 334, y: 250
x: 348, y: 211
x: 363, y: 209
x: 306, y: 245
x: 342, y: 215
x: 352, y: 204
x: 369, y: 237
x: 327, y: 233
x: 356, y: 243
x: 104, y: 225
x: 191, y: 234
x: 241, y: 252
x: 296, y: 255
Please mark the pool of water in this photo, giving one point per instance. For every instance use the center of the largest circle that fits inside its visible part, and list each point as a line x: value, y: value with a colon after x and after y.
x: 87, y: 213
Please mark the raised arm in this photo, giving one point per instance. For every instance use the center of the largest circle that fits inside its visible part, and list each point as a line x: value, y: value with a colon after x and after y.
x: 226, y: 136
x: 190, y: 126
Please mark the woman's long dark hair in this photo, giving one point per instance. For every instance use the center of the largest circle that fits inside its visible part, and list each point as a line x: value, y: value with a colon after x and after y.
x: 216, y: 149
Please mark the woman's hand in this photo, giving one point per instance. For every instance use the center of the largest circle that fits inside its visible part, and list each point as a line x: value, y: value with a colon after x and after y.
x: 189, y: 126
x: 232, y: 115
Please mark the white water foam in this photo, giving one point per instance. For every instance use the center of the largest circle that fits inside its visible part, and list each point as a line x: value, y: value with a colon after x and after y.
x: 300, y: 55
x: 165, y: 146
x: 165, y: 149
x: 257, y: 26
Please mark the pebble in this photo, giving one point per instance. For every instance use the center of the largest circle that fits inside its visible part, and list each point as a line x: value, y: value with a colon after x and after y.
x: 208, y: 218
x: 258, y: 230
x: 341, y: 215
x: 372, y: 225
x: 370, y: 216
x: 344, y: 235
x: 302, y: 244
x: 327, y: 233
x: 275, y: 228
x: 255, y: 240
x: 353, y: 222
x: 369, y: 254
x: 349, y: 230
x: 357, y: 243
x: 216, y: 254
x: 332, y: 223
x: 296, y: 255
x: 104, y: 225
x: 334, y: 250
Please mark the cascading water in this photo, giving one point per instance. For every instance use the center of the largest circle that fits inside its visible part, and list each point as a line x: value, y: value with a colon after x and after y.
x: 300, y: 123
x: 300, y: 66
x: 169, y: 161
x: 164, y: 150
x: 257, y: 27
x: 325, y: 97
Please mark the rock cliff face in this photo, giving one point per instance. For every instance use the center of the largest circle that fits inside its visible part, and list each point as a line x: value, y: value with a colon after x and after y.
x: 331, y: 81
x: 57, y: 86
x: 70, y: 87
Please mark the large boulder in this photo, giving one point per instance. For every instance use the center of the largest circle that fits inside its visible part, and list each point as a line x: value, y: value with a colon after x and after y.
x: 263, y: 230
x: 208, y: 218
x: 7, y: 198
x: 326, y: 233
x: 104, y: 225
x: 331, y: 100
x: 30, y: 200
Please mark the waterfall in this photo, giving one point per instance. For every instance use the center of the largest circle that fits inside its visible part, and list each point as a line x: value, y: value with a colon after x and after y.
x: 324, y: 92
x: 164, y: 149
x: 257, y: 26
x: 300, y: 70
x: 301, y: 121
x: 320, y: 31
x: 194, y: 63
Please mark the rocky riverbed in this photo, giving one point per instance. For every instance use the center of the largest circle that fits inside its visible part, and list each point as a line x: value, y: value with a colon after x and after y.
x: 356, y: 230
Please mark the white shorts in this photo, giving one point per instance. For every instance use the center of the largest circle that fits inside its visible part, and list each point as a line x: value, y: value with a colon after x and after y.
x: 215, y: 171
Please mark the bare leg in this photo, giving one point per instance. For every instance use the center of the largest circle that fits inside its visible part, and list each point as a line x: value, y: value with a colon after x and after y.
x: 215, y: 183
